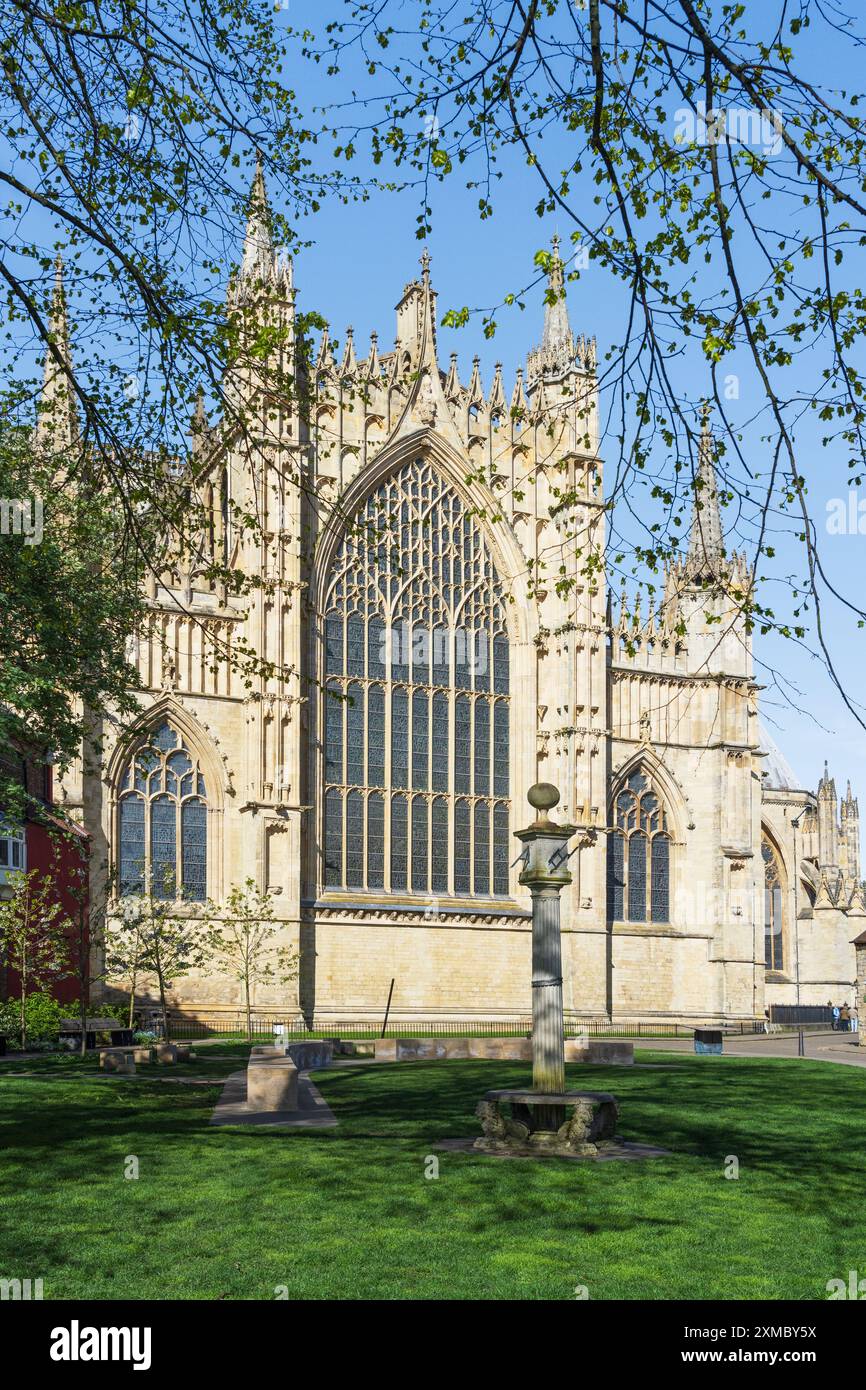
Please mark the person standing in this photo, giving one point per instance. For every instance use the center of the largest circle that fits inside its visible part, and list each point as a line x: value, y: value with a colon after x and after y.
x: 855, y: 1019
x: 845, y: 1018
x: 835, y: 1011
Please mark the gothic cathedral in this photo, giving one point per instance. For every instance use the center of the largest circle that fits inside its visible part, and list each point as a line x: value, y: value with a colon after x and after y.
x: 433, y: 638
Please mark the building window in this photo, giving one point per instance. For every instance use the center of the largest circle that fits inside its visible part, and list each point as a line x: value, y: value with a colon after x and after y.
x: 13, y: 852
x: 774, y: 957
x: 639, y: 855
x: 162, y: 821
x: 416, y: 688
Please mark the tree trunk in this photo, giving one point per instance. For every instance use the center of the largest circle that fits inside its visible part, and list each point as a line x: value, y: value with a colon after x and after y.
x: 249, y: 1009
x: 24, y: 989
x: 82, y: 1013
x: 163, y: 1007
x: 132, y: 985
x: 84, y: 980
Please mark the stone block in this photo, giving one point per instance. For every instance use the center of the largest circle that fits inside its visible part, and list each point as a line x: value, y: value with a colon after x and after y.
x: 166, y: 1053
x: 430, y: 1049
x: 348, y: 1048
x: 611, y: 1052
x: 140, y: 1055
x: 123, y: 1063
x: 310, y: 1056
x: 272, y: 1084
x: 501, y: 1049
x: 606, y: 1052
x: 184, y: 1051
x: 386, y: 1050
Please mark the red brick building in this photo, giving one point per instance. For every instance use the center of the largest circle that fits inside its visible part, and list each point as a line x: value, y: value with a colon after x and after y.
x: 39, y: 840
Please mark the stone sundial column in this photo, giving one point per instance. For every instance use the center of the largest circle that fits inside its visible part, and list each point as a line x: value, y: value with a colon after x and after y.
x: 545, y: 873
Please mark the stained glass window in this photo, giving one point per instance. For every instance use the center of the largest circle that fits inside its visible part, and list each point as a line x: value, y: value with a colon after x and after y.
x: 773, y: 920
x: 162, y: 821
x: 416, y: 661
x: 638, y: 854
x: 132, y: 857
x: 616, y: 876
x: 375, y: 840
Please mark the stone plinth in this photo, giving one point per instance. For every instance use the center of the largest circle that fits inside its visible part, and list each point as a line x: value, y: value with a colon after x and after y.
x: 272, y: 1083
x: 166, y: 1053
x: 600, y: 1051
x: 311, y: 1056
x: 522, y: 1122
x: 451, y: 1049
x: 121, y: 1062
x: 140, y: 1055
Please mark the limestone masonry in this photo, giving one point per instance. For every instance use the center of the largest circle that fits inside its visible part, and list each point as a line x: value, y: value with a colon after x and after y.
x: 437, y: 643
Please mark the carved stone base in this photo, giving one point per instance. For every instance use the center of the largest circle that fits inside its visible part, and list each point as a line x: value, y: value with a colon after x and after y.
x: 522, y: 1123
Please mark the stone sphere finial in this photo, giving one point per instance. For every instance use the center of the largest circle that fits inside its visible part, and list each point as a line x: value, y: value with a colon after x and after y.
x: 542, y: 797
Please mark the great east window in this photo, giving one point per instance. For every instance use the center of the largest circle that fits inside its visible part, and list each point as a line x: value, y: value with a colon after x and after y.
x: 416, y: 699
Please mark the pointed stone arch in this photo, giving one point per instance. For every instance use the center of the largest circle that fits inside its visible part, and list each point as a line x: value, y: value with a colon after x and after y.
x: 777, y: 901
x: 200, y: 742
x: 505, y: 548
x: 168, y: 709
x: 677, y: 803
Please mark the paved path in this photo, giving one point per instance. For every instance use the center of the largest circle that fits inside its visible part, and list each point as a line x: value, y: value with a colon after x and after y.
x: 313, y: 1110
x: 820, y: 1047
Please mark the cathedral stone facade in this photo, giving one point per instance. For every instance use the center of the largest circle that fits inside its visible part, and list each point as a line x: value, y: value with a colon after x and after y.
x: 434, y: 636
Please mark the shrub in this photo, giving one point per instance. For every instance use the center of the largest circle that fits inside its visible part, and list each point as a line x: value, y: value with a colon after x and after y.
x: 43, y: 1016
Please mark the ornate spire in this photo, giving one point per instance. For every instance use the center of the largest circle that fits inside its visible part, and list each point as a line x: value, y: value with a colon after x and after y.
x: 518, y: 399
x: 325, y: 360
x: 349, y: 365
x: 496, y: 403
x: 453, y: 389
x: 557, y: 329
x: 260, y: 262
x: 706, y: 544
x: 556, y: 355
x: 475, y: 394
x: 374, y: 366
x: 258, y: 258
x: 57, y: 423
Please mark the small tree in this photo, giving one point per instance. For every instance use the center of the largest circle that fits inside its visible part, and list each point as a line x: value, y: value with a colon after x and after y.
x: 150, y: 937
x: 244, y: 934
x: 33, y: 936
x: 87, y: 939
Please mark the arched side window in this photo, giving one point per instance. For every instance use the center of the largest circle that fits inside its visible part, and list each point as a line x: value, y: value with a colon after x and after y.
x: 417, y: 700
x: 639, y: 855
x: 162, y: 821
x: 774, y: 950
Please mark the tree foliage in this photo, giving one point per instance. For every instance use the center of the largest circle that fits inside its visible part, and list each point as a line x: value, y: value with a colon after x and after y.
x: 707, y: 156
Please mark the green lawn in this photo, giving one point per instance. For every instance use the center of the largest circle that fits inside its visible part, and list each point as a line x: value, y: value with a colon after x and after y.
x: 348, y: 1213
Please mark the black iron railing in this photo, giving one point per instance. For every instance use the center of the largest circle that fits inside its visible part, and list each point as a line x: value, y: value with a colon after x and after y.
x: 801, y: 1015
x: 368, y: 1029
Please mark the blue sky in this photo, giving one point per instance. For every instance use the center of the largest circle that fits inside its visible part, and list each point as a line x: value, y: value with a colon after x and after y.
x: 362, y: 254
x: 354, y: 273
